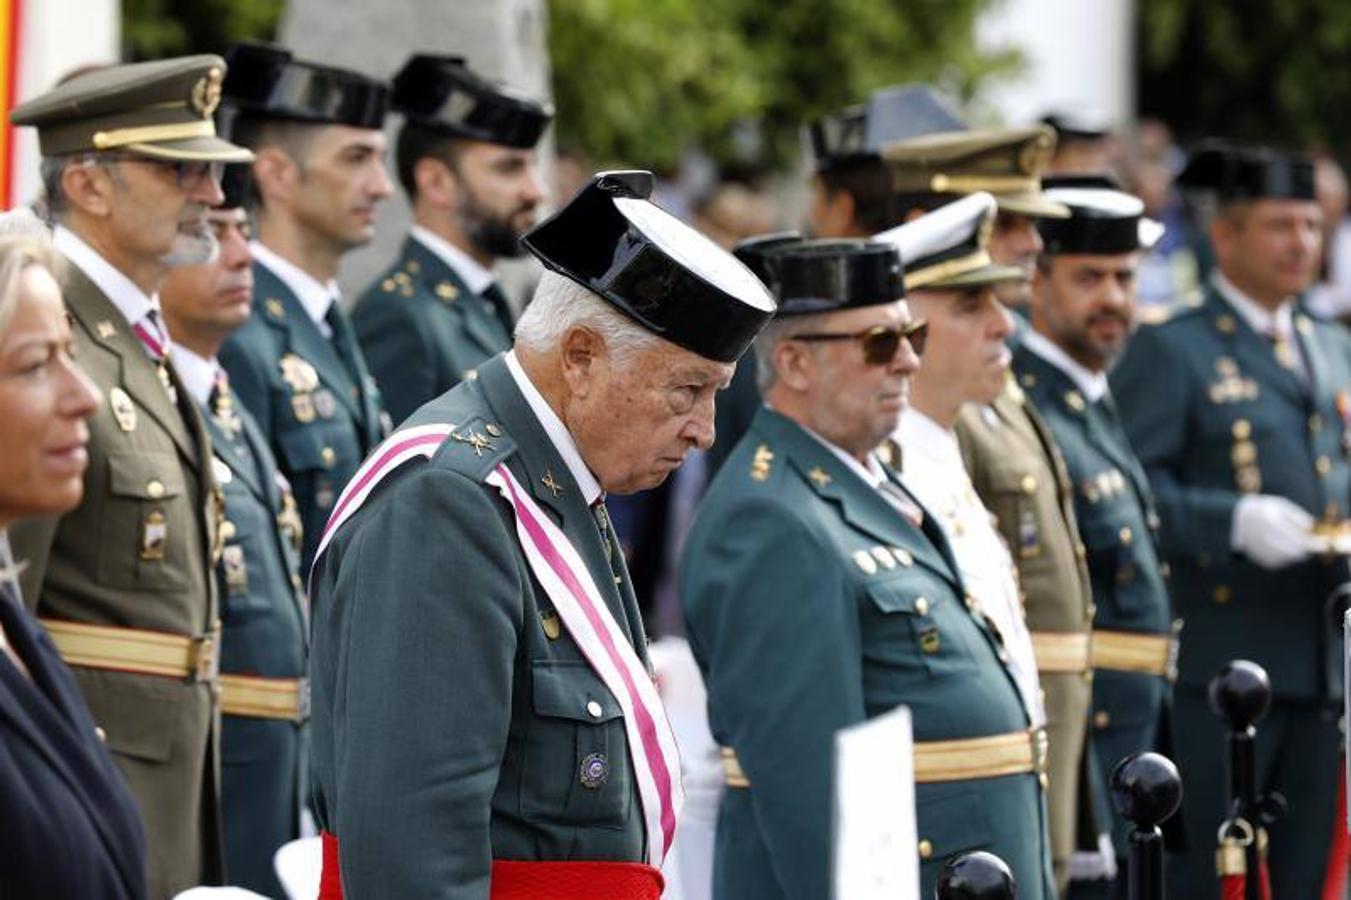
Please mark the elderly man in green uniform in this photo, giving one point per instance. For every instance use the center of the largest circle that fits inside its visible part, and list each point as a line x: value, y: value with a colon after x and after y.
x: 819, y: 593
x: 525, y: 752
x: 319, y: 174
x: 264, y: 695
x: 1082, y: 304
x: 467, y: 162
x: 131, y: 163
x: 1010, y: 456
x: 1241, y: 412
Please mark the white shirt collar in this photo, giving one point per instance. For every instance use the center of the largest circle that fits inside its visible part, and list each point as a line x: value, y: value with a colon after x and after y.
x: 872, y: 473
x: 475, y: 277
x: 197, y: 374
x: 1259, y: 319
x: 314, y: 296
x: 920, y: 434
x: 558, y: 432
x: 129, y: 299
x: 1093, y: 385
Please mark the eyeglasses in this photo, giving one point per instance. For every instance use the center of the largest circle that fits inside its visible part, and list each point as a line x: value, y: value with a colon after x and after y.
x: 880, y: 343
x: 188, y: 174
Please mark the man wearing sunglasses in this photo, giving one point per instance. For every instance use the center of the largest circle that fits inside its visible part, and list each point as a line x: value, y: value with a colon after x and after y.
x: 818, y: 592
x: 124, y: 583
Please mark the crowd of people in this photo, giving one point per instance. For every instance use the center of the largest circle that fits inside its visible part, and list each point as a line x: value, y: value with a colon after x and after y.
x: 1017, y: 433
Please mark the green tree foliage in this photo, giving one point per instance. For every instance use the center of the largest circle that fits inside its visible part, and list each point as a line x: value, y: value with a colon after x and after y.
x: 152, y: 29
x: 1272, y: 71
x: 644, y: 79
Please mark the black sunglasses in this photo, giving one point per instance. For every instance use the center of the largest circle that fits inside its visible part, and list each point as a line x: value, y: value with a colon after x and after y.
x: 880, y: 343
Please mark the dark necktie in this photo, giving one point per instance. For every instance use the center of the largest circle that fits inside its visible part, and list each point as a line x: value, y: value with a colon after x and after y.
x: 608, y: 539
x: 497, y: 299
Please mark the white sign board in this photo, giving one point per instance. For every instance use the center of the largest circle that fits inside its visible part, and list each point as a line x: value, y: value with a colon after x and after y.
x: 875, y: 835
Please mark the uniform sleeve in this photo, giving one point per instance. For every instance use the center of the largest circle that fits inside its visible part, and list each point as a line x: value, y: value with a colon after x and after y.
x: 1155, y: 396
x: 416, y: 624
x: 775, y: 631
x: 249, y: 378
x: 396, y: 348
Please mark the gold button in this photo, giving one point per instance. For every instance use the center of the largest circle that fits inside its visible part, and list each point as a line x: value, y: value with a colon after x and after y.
x: 593, y: 709
x: 1323, y: 465
x: 1045, y: 781
x: 155, y: 488
x: 921, y: 606
x: 101, y: 734
x: 926, y: 848
x: 1315, y: 422
x: 1222, y: 593
x: 1242, y: 429
x: 328, y: 456
x: 227, y: 530
x: 1125, y: 535
x: 1101, y: 719
x: 1029, y: 484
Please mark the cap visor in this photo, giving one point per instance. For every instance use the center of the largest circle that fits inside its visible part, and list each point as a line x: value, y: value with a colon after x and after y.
x: 1035, y: 205
x: 991, y: 274
x: 208, y: 149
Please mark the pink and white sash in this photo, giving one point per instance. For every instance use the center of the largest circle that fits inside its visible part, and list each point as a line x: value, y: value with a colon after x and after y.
x: 582, y: 610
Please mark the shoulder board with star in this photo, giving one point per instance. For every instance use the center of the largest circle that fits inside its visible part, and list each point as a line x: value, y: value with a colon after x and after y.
x: 475, y: 447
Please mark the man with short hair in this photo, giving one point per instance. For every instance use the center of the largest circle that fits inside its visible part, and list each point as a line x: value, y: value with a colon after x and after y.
x: 466, y: 159
x: 1240, y: 409
x: 1083, y: 302
x: 318, y: 176
x: 264, y: 695
x: 485, y: 724
x: 123, y: 583
x: 818, y: 593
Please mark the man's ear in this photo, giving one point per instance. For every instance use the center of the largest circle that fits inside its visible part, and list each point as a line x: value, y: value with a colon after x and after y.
x: 582, y: 354
x: 89, y: 188
x: 794, y: 365
x: 436, y: 183
x: 275, y: 175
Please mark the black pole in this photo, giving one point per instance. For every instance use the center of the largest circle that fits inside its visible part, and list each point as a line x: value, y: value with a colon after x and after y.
x: 1240, y: 695
x: 975, y: 876
x: 1146, y: 789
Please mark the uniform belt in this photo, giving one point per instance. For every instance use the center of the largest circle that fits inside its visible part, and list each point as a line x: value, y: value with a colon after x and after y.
x: 137, y: 650
x: 1015, y: 753
x: 1126, y: 651
x: 1058, y: 652
x: 265, y: 698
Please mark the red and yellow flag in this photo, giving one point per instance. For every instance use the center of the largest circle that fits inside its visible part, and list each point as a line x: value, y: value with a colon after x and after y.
x: 11, y: 29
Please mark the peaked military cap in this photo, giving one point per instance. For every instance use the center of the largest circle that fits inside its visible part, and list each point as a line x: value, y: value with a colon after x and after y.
x: 1233, y: 173
x: 1103, y: 218
x: 832, y: 275
x: 1005, y: 162
x: 162, y: 109
x: 267, y: 82
x: 947, y: 247
x: 442, y: 93
x: 652, y: 267
x: 756, y: 253
x: 1076, y: 127
x: 891, y: 114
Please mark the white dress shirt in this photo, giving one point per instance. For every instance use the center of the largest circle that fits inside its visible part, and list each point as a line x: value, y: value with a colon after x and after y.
x: 134, y: 303
x: 1278, y: 325
x: 934, y: 472
x: 474, y: 276
x: 558, y: 432
x: 315, y: 297
x: 197, y: 373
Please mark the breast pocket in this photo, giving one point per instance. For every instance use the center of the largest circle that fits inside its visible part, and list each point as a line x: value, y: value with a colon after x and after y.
x: 576, y: 769
x: 148, y: 520
x: 918, y: 626
x: 317, y: 458
x: 1112, y: 564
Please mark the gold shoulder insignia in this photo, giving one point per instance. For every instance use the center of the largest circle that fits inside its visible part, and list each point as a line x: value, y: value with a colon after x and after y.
x: 818, y: 475
x: 447, y: 291
x: 761, y: 463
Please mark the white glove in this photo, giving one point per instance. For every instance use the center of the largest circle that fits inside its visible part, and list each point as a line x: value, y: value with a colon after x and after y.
x: 1272, y: 531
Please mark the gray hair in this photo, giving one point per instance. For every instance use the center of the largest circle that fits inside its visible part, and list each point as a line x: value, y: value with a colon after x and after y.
x: 51, y: 170
x: 560, y: 303
x: 24, y: 242
x: 778, y: 330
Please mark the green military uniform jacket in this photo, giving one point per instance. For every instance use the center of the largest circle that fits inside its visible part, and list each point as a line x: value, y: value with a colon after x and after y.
x: 1213, y: 415
x: 1020, y: 475
x: 452, y: 712
x: 312, y: 397
x: 137, y: 553
x: 1117, y: 525
x: 264, y: 761
x: 423, y: 330
x: 813, y: 604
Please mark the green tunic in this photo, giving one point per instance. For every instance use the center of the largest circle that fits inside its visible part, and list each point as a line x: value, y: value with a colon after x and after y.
x: 812, y: 604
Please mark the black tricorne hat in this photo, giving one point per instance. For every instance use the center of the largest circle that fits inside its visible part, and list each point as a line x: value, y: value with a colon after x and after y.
x: 443, y: 94
x: 267, y: 82
x: 890, y: 114
x: 1232, y: 173
x: 1103, y: 218
x: 756, y: 253
x: 833, y: 275
x: 652, y: 267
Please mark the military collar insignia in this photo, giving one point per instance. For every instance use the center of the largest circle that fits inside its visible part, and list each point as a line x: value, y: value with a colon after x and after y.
x: 548, y: 481
x: 1075, y: 401
x: 760, y: 464
x: 105, y: 329
x: 818, y: 475
x: 124, y: 411
x: 274, y: 308
x: 1304, y: 324
x: 1225, y: 323
x: 447, y: 291
x: 475, y: 440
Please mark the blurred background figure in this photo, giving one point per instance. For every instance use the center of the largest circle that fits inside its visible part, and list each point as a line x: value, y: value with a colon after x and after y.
x: 1084, y: 145
x: 1148, y: 161
x: 1330, y: 294
x: 70, y: 830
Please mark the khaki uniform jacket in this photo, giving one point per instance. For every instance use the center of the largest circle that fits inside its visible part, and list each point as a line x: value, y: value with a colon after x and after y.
x: 1019, y: 473
x: 137, y: 553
